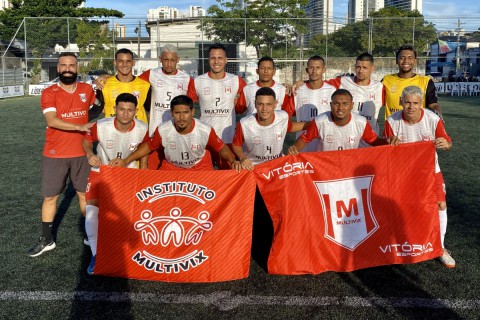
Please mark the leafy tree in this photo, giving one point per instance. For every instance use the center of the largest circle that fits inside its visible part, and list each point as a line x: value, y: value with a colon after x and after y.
x: 93, y: 38
x: 44, y: 32
x: 391, y: 28
x: 267, y: 25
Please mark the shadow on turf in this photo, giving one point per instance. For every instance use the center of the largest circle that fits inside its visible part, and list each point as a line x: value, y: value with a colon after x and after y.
x: 394, y: 281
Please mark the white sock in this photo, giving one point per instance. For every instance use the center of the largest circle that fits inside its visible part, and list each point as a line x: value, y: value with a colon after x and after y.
x: 442, y: 214
x: 91, y: 227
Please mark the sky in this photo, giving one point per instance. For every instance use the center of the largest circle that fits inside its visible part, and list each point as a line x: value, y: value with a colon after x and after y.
x: 448, y: 9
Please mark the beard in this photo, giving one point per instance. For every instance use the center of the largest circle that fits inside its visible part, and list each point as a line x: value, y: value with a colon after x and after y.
x: 70, y: 79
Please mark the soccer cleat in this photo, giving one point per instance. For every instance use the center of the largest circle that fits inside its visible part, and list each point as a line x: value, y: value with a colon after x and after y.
x: 41, y: 246
x: 85, y: 241
x: 446, y: 259
x: 91, y: 266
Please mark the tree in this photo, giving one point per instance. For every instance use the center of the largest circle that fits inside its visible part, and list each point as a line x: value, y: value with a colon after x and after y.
x: 390, y: 28
x: 44, y: 32
x: 267, y: 25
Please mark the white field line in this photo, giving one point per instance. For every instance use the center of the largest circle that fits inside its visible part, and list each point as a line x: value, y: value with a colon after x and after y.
x: 225, y: 300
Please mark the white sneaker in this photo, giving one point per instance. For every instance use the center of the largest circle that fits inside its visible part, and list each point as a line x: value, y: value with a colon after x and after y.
x: 446, y: 259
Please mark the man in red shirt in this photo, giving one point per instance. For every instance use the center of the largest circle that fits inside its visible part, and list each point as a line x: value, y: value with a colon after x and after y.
x: 65, y: 106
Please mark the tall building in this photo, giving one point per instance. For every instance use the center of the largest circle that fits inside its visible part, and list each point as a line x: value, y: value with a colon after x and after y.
x: 163, y: 13
x: 359, y: 10
x: 5, y: 4
x: 120, y: 30
x: 321, y: 14
x: 196, y: 11
x: 405, y: 4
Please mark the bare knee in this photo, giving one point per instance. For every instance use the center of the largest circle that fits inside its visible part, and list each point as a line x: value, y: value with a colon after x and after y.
x: 442, y: 205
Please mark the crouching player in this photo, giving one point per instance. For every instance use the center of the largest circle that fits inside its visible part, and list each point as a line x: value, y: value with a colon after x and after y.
x: 340, y: 129
x: 184, y: 141
x: 117, y: 137
x: 415, y: 123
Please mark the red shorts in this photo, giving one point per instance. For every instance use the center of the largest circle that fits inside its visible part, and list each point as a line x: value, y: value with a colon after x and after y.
x: 93, y: 186
x: 440, y: 187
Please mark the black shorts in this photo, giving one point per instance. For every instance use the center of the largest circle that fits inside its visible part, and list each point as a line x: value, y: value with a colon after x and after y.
x: 55, y: 172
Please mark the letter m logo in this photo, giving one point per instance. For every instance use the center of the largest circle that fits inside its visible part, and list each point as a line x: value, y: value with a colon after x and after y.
x: 347, y: 210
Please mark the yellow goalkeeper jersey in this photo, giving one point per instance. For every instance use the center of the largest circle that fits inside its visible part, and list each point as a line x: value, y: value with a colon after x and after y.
x: 394, y: 86
x: 138, y: 87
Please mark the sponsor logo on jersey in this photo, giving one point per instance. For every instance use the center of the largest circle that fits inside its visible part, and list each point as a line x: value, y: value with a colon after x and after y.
x: 195, y: 147
x: 347, y: 210
x: 160, y: 84
x: 393, y: 88
x: 278, y: 136
x: 257, y: 140
x: 180, y: 86
x: 352, y: 139
x: 324, y: 101
x: 132, y: 146
x: 371, y: 96
x: 206, y: 91
x: 74, y: 114
x: 329, y: 138
x: 175, y: 228
x: 115, y: 93
x: 426, y: 137
x: 172, y: 145
x: 228, y: 89
x: 136, y: 94
x: 304, y: 101
x: 110, y: 144
x: 83, y: 97
x: 406, y: 249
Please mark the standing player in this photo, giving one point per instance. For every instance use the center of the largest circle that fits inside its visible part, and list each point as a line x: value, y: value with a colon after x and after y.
x: 123, y: 81
x: 406, y: 59
x: 339, y: 129
x: 266, y: 70
x: 259, y: 137
x: 184, y: 141
x: 414, y: 123
x: 116, y: 137
x: 368, y: 94
x: 313, y: 97
x: 166, y: 82
x: 65, y: 107
x: 216, y: 92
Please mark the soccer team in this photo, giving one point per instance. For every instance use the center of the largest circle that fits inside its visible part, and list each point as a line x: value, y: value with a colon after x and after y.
x: 149, y: 123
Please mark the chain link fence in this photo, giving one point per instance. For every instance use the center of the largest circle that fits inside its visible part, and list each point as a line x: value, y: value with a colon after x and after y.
x: 30, y: 56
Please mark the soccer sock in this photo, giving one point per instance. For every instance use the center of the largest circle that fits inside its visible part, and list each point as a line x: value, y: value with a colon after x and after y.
x: 91, y: 227
x: 442, y: 214
x: 47, y: 230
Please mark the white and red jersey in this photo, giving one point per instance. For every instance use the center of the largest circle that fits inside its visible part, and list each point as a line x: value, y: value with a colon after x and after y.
x: 186, y: 151
x: 70, y: 107
x: 428, y: 128
x: 333, y: 137
x: 367, y: 100
x: 308, y: 103
x: 217, y: 102
x: 246, y: 102
x: 165, y: 87
x: 116, y: 144
x: 262, y: 143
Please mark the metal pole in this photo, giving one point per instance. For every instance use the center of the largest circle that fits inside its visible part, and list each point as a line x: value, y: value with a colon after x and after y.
x: 413, y: 32
x: 139, y: 33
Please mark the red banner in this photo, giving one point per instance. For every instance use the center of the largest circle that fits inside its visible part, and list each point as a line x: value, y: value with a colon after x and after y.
x: 347, y: 210
x: 178, y: 226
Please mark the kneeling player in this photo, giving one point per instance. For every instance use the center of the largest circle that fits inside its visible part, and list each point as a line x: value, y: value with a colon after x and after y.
x: 116, y: 137
x: 415, y: 123
x: 339, y: 129
x: 184, y: 141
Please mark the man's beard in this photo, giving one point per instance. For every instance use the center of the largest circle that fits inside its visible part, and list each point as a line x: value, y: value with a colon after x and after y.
x: 67, y: 79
